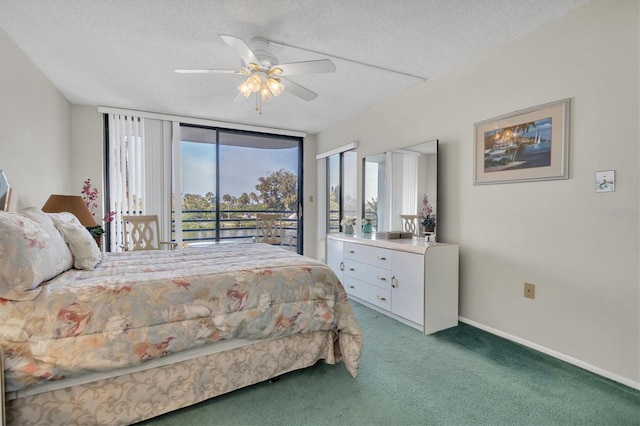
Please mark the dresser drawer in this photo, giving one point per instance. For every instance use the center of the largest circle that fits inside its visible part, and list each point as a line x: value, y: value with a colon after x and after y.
x: 367, y: 254
x: 375, y: 275
x: 367, y: 292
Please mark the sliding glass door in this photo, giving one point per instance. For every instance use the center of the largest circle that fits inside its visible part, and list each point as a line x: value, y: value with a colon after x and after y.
x: 226, y: 177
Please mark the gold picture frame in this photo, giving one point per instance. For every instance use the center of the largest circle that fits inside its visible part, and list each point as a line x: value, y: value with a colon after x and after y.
x: 522, y: 146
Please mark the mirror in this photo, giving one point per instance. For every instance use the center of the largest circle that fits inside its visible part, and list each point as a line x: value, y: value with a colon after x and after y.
x: 395, y: 184
x: 4, y: 192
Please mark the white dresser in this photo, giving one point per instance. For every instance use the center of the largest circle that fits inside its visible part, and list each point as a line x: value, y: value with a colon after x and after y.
x: 405, y: 279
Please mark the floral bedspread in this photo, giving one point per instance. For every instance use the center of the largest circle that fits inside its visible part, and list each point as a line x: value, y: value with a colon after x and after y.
x: 137, y: 306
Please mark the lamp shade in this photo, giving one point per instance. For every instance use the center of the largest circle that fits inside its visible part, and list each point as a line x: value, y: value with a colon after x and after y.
x: 72, y: 204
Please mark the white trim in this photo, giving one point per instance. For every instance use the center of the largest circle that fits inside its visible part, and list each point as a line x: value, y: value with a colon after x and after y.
x: 338, y: 150
x: 555, y: 354
x: 199, y: 121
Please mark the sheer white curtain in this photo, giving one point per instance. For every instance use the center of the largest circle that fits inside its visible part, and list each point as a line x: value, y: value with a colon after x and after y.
x: 139, y: 172
x: 410, y: 183
x: 402, y: 187
x: 126, y: 172
x: 158, y: 173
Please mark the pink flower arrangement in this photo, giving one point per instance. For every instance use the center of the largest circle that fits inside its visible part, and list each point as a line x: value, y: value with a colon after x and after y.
x: 427, y: 217
x: 90, y: 196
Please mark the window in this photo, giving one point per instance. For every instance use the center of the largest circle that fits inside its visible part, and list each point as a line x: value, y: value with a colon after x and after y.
x: 342, y: 188
x: 226, y: 177
x: 156, y: 165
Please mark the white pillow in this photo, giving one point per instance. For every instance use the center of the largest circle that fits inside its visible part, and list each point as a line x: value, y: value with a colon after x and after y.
x: 86, y: 253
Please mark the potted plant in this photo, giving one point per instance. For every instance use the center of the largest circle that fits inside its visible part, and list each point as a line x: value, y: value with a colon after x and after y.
x: 348, y: 222
x: 366, y: 225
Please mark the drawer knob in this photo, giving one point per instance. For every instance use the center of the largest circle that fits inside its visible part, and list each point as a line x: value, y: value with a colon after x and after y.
x: 351, y: 251
x: 381, y: 298
x: 352, y: 269
x: 382, y: 258
x: 342, y: 266
x: 381, y: 278
x: 394, y: 282
x: 351, y: 286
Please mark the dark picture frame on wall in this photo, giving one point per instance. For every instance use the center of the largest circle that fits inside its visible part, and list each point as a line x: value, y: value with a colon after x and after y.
x: 522, y: 146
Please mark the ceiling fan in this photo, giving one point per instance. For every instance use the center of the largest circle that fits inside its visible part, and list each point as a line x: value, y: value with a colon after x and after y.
x: 266, y: 76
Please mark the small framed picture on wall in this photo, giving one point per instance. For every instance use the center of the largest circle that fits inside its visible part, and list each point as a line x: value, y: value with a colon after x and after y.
x: 606, y: 181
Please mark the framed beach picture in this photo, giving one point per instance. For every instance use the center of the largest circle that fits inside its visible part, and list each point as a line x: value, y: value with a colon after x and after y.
x: 525, y: 145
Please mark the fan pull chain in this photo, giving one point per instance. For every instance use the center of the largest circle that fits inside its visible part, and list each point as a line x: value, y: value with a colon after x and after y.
x: 258, y: 104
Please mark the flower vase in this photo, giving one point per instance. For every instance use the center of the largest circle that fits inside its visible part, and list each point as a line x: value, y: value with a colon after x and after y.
x: 429, y: 229
x: 348, y: 229
x: 366, y: 228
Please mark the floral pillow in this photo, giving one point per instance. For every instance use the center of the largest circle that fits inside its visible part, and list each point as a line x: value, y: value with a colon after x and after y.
x: 28, y: 256
x: 58, y: 244
x: 86, y: 253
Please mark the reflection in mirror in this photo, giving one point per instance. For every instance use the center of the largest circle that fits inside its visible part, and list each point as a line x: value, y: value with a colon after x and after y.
x: 395, y: 184
x: 4, y: 192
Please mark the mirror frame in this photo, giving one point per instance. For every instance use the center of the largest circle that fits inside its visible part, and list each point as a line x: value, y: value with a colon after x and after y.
x: 412, y: 148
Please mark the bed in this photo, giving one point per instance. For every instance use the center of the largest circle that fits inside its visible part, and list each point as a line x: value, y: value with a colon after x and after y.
x: 116, y: 338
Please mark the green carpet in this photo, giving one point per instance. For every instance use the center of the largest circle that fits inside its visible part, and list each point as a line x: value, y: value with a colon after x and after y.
x: 461, y: 376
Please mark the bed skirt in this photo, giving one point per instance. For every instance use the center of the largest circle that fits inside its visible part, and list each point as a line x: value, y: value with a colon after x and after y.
x: 136, y: 396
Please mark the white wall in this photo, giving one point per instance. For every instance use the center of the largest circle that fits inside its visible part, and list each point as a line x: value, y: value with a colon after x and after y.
x: 87, y: 151
x: 35, y: 129
x: 558, y: 234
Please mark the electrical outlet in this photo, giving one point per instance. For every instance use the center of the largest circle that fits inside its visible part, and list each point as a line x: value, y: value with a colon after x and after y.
x: 530, y: 290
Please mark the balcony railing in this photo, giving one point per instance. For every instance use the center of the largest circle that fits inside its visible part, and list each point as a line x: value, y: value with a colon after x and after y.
x: 199, y: 226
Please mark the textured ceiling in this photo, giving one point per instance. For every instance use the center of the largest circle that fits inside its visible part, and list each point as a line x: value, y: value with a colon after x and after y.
x: 122, y: 53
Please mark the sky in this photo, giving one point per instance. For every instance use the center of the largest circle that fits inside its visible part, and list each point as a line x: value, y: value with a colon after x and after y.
x: 244, y: 165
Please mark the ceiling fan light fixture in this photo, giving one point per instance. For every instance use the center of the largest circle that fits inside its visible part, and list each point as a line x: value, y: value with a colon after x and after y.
x: 264, y: 70
x: 265, y: 93
x: 254, y: 83
x: 244, y: 90
x: 275, y: 86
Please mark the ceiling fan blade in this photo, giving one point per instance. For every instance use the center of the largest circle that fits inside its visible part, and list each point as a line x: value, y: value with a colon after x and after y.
x: 306, y: 67
x: 241, y: 48
x: 299, y: 91
x: 196, y: 71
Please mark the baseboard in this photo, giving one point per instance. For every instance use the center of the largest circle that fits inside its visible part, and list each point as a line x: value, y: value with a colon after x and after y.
x: 555, y: 354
